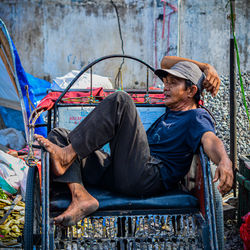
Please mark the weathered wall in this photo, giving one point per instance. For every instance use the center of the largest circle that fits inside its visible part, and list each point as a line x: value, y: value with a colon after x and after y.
x: 54, y: 37
x: 205, y: 32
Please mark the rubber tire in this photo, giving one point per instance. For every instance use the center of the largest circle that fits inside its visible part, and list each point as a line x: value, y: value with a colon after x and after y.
x: 33, y: 218
x: 219, y: 216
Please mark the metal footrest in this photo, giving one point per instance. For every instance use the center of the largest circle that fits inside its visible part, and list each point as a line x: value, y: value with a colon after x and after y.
x: 132, y: 232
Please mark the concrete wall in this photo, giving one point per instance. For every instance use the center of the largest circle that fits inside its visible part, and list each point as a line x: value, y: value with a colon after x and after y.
x: 54, y: 37
x: 205, y: 32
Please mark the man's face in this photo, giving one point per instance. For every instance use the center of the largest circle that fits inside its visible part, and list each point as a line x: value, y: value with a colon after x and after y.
x: 175, y: 92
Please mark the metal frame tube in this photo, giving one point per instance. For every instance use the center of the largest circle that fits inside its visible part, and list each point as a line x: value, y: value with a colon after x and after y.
x: 233, y: 139
x: 47, y: 199
x: 43, y: 199
x: 90, y: 66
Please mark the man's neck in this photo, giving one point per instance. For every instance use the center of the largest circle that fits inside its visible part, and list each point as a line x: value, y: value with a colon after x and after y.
x: 184, y: 106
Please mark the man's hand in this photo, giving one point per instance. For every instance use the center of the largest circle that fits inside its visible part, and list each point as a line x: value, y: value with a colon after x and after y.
x: 212, y: 80
x: 224, y: 173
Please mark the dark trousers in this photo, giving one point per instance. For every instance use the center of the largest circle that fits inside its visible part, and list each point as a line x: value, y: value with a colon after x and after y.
x: 129, y: 169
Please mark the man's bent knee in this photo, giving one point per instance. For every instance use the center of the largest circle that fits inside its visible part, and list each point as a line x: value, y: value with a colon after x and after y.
x: 122, y: 97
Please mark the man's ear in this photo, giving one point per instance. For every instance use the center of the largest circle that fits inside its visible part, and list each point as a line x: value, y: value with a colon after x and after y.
x: 192, y: 91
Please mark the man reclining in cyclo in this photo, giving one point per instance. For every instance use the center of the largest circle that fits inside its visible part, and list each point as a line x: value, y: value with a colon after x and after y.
x: 141, y: 163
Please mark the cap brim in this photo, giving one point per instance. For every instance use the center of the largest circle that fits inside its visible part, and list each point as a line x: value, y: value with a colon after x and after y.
x: 163, y: 72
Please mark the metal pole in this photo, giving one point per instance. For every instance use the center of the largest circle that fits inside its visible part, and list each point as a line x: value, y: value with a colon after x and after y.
x: 43, y: 186
x: 233, y: 140
x: 48, y: 229
x: 179, y: 28
x: 91, y: 82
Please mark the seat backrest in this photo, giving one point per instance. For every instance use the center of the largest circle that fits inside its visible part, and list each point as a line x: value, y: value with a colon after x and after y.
x: 70, y: 117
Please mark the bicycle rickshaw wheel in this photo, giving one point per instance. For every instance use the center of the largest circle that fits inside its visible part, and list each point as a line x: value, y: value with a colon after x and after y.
x: 219, y: 216
x: 33, y: 214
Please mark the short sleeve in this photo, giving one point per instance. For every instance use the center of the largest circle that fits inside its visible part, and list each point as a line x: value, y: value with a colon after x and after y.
x: 200, y: 123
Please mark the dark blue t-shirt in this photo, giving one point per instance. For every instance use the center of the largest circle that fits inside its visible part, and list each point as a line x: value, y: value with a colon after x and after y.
x: 174, y: 138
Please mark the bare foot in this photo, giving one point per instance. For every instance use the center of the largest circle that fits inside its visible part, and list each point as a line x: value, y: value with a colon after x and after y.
x: 61, y: 158
x: 81, y: 206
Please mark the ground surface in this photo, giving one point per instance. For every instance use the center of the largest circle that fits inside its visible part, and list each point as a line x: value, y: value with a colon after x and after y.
x: 232, y: 235
x: 232, y: 230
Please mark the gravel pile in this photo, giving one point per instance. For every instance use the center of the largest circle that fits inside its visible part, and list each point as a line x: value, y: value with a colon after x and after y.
x: 219, y: 106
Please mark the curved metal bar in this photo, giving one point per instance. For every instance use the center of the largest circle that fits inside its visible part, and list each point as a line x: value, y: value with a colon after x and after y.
x: 92, y: 64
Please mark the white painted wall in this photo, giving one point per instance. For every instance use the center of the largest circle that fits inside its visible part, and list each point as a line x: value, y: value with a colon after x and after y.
x: 54, y: 37
x: 205, y: 32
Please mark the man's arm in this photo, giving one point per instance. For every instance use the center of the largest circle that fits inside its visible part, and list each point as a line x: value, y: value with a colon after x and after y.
x: 212, y: 81
x: 215, y: 150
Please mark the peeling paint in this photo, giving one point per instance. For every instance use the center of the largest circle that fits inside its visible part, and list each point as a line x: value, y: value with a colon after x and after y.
x: 54, y: 37
x: 205, y: 32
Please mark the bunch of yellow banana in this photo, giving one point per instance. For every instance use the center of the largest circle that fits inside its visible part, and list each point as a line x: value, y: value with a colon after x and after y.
x: 13, y: 225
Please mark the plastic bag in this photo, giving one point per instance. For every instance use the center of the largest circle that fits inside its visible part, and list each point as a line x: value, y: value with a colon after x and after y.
x: 12, y: 138
x: 82, y: 83
x: 13, y: 174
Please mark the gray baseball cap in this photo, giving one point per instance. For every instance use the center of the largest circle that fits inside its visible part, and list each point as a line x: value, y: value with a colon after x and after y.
x: 186, y: 70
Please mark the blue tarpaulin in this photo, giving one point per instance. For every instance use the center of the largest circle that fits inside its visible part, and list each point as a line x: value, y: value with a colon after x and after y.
x: 37, y: 88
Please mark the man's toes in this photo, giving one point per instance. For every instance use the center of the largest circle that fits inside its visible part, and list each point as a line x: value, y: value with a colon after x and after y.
x: 68, y: 221
x: 58, y: 219
x: 38, y: 137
